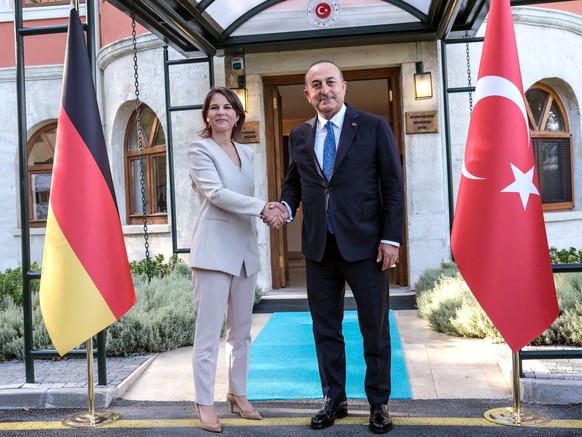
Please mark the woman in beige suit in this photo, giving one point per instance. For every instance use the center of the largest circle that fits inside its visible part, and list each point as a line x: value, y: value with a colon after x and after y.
x: 225, y: 253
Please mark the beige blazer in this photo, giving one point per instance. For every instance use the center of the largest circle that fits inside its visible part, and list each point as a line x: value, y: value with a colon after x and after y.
x: 225, y: 234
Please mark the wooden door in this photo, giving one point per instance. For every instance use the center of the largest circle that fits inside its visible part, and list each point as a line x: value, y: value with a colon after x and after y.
x: 391, y: 109
x: 276, y: 175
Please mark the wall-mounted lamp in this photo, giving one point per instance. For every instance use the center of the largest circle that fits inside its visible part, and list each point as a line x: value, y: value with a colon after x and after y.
x: 422, y: 82
x: 242, y: 96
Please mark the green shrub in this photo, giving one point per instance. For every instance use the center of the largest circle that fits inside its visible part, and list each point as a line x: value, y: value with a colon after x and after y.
x: 162, y: 319
x: 158, y: 268
x: 181, y: 268
x: 567, y: 328
x: 451, y: 308
x: 431, y: 277
x: 11, y: 283
x: 12, y: 328
x: 565, y: 256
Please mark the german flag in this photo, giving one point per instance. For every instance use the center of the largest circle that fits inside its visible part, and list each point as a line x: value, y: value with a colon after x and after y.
x: 86, y: 283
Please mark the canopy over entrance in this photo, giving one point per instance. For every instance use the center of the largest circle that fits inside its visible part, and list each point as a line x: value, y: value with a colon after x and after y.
x: 229, y: 26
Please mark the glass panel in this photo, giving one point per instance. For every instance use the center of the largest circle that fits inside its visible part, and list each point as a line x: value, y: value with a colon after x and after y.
x: 555, y: 121
x: 537, y: 100
x: 421, y: 5
x: 225, y: 12
x: 147, y: 121
x: 554, y: 169
x: 132, y: 139
x: 40, y: 153
x: 160, y: 183
x: 40, y: 186
x: 51, y: 136
x: 293, y: 16
x: 136, y: 197
x: 159, y: 139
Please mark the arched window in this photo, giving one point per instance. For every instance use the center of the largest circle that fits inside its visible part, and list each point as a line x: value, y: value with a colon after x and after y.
x: 552, y: 145
x: 154, y: 169
x: 30, y: 3
x: 41, y: 152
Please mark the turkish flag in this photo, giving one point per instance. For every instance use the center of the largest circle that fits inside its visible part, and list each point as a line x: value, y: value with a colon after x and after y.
x: 499, y: 238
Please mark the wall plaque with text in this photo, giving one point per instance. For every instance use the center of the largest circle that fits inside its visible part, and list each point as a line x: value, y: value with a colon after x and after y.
x: 422, y: 122
x: 250, y: 133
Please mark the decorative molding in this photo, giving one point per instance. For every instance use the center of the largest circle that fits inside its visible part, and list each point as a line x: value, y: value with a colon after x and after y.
x: 562, y: 216
x: 37, y: 72
x: 124, y: 47
x: 127, y: 230
x: 540, y: 17
x: 41, y: 12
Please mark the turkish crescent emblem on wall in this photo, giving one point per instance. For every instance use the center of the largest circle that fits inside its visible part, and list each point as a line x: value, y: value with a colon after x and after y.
x: 323, y: 13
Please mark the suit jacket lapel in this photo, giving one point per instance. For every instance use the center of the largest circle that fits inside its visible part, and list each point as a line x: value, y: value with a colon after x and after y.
x: 313, y: 124
x: 348, y: 134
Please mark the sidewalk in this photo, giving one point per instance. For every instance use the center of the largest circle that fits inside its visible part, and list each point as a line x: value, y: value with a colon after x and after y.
x: 439, y: 367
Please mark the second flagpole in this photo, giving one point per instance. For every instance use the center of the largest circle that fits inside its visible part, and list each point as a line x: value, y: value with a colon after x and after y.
x: 516, y: 415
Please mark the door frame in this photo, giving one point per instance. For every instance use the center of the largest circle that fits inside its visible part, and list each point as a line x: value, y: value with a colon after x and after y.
x: 275, y: 172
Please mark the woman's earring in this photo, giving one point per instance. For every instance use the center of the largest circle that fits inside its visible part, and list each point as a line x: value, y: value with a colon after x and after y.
x: 236, y: 124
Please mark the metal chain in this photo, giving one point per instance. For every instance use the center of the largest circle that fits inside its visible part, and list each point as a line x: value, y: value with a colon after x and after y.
x: 144, y: 200
x: 469, y: 79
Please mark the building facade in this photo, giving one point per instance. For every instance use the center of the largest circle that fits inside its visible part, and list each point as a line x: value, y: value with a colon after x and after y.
x: 380, y: 79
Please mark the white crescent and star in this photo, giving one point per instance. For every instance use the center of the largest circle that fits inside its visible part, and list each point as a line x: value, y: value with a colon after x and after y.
x: 496, y: 86
x: 523, y: 185
x: 322, y: 9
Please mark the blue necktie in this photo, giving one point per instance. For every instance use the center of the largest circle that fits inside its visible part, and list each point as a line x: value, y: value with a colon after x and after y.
x: 328, y: 158
x: 328, y: 150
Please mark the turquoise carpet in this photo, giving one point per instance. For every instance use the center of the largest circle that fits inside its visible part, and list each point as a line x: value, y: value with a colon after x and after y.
x: 284, y: 365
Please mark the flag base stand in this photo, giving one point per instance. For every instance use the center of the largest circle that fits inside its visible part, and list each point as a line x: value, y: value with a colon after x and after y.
x: 513, y: 417
x: 88, y: 420
x: 91, y: 418
x: 516, y: 415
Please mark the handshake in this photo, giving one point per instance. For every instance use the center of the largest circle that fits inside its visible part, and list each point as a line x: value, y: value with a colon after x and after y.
x: 275, y: 214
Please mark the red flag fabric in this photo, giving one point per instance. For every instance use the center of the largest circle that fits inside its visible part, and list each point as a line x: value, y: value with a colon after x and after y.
x: 499, y: 238
x: 85, y: 281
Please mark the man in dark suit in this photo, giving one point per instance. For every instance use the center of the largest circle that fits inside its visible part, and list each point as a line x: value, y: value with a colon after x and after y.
x: 348, y: 177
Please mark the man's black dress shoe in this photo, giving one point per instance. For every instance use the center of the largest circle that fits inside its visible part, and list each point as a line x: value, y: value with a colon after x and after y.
x: 326, y: 416
x: 380, y: 421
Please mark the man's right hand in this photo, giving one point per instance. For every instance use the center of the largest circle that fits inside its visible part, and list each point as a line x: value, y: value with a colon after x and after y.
x: 275, y: 214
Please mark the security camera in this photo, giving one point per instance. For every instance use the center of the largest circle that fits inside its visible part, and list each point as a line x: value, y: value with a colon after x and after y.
x: 237, y: 63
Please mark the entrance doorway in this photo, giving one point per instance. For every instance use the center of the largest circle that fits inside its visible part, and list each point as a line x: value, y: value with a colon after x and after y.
x: 376, y: 91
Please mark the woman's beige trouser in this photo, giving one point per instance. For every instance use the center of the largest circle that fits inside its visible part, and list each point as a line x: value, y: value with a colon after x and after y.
x: 217, y: 293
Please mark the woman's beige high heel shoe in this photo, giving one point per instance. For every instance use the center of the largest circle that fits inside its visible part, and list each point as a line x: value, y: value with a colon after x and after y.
x: 245, y: 414
x: 208, y: 426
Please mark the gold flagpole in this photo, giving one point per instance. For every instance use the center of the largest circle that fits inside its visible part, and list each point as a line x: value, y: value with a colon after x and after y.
x: 516, y: 415
x: 91, y: 418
